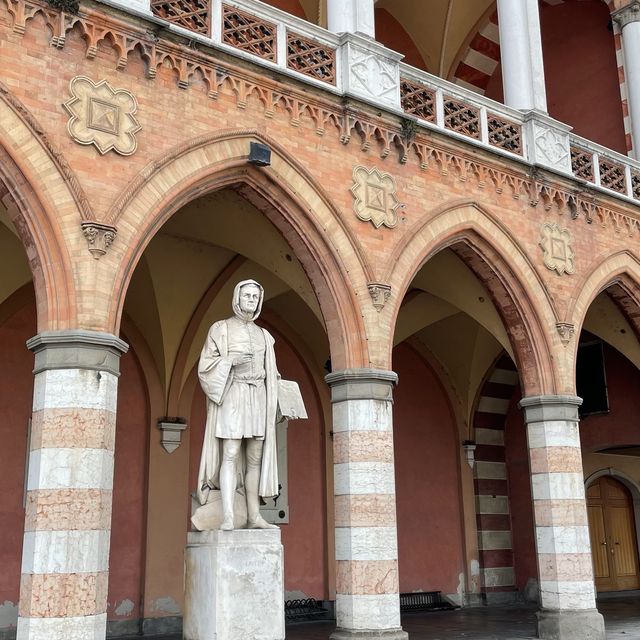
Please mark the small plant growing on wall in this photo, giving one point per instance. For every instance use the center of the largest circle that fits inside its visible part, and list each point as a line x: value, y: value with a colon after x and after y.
x: 69, y: 6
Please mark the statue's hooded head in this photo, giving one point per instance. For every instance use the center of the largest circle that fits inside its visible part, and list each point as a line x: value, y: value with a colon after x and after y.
x: 243, y: 306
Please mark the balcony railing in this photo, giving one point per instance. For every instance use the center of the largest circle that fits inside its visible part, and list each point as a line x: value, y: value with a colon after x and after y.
x: 347, y: 64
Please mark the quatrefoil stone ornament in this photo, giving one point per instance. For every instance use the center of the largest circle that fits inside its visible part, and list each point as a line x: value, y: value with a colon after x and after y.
x: 556, y: 248
x: 375, y: 197
x: 102, y: 116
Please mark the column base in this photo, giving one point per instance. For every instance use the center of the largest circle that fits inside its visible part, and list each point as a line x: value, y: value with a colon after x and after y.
x: 570, y: 625
x: 386, y: 634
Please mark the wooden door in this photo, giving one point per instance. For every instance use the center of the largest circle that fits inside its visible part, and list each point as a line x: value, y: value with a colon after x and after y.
x: 614, y: 546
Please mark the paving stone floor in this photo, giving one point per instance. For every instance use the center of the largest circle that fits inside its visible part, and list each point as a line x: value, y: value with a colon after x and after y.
x: 621, y: 613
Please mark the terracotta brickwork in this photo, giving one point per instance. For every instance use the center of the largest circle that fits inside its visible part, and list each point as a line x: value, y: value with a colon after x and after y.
x: 363, y: 200
x: 488, y: 204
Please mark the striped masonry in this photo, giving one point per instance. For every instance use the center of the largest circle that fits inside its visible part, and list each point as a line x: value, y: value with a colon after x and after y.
x: 491, y: 486
x: 482, y: 56
x: 63, y: 590
x: 560, y: 512
x: 365, y: 515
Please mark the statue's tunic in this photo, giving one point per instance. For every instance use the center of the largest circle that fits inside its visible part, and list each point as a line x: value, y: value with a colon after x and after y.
x: 241, y: 401
x: 243, y: 412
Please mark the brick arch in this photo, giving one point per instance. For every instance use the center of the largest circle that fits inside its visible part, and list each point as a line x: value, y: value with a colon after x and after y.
x: 518, y: 293
x: 39, y: 208
x: 284, y: 192
x: 619, y: 275
x: 479, y: 56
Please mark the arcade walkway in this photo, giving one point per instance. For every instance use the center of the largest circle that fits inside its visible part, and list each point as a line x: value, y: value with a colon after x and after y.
x: 621, y: 613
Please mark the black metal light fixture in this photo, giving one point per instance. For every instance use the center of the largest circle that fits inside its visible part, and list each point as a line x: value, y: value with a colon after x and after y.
x: 259, y: 154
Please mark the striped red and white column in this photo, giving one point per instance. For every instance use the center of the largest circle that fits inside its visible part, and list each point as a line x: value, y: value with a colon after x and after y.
x: 65, y: 557
x: 567, y: 593
x: 367, y: 597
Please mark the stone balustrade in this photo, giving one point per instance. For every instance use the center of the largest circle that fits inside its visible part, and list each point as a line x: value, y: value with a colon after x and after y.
x: 354, y: 65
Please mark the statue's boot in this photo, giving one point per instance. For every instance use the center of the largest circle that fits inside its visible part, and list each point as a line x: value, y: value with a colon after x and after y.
x: 227, y: 523
x: 258, y: 522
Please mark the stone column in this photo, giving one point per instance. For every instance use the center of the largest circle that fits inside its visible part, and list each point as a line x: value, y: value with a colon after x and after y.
x: 367, y: 600
x: 351, y: 16
x: 628, y: 18
x: 521, y: 55
x: 65, y: 556
x: 567, y: 593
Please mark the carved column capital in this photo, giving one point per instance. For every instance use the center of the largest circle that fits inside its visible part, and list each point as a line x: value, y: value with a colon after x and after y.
x: 99, y: 237
x: 628, y: 14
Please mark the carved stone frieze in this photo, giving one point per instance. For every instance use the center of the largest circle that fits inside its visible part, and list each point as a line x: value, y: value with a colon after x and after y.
x: 375, y: 196
x: 102, y: 116
x: 379, y: 293
x: 99, y: 237
x: 556, y: 249
x: 566, y: 331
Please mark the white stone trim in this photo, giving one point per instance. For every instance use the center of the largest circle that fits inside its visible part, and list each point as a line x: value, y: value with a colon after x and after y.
x: 354, y: 478
x: 492, y: 540
x: 563, y: 540
x: 498, y: 577
x: 366, y: 543
x: 68, y: 468
x: 557, y: 486
x: 493, y: 437
x: 65, y: 551
x: 505, y: 376
x: 493, y: 405
x: 567, y: 595
x: 75, y: 388
x: 76, y: 628
x: 560, y: 433
x: 498, y: 505
x: 490, y: 470
x: 362, y: 415
x: 368, y: 612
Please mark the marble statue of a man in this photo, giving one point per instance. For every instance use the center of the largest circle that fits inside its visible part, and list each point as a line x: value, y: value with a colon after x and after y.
x: 238, y: 374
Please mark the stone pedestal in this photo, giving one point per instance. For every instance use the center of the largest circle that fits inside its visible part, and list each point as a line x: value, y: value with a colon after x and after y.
x: 234, y: 585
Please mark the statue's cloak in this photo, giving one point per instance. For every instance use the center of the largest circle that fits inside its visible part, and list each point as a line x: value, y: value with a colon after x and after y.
x: 216, y: 375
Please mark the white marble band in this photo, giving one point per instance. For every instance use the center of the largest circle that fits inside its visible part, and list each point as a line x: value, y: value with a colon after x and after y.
x: 498, y: 577
x: 490, y: 470
x: 492, y: 504
x: 75, y: 388
x: 493, y: 540
x: 362, y: 415
x: 77, y: 628
x: 567, y: 595
x: 356, y: 478
x: 557, y: 486
x: 493, y: 437
x: 555, y: 540
x: 368, y: 612
x: 65, y: 552
x: 366, y: 543
x: 559, y: 433
x: 70, y: 468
